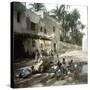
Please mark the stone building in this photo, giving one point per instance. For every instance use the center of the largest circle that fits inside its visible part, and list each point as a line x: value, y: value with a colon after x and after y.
x: 19, y: 26
x: 53, y: 29
x: 33, y: 32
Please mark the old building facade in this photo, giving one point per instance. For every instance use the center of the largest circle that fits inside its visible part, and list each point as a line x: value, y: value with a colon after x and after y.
x: 33, y: 32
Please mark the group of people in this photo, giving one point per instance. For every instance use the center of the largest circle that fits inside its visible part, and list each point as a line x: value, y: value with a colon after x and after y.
x: 63, y: 67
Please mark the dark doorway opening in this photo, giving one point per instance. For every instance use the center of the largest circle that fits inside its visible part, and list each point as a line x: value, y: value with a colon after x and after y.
x: 54, y: 47
x: 19, y: 51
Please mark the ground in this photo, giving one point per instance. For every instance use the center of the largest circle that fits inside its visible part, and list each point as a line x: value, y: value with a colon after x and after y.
x: 45, y: 79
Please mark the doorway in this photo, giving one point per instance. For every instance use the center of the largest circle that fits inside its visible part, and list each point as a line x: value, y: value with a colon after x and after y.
x: 54, y: 47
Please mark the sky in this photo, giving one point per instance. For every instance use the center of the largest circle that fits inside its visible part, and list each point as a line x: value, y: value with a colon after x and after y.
x: 82, y: 10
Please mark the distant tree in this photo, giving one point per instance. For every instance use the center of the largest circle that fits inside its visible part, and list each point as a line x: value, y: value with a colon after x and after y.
x: 76, y: 25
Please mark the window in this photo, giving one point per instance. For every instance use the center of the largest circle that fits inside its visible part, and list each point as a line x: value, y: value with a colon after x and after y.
x: 53, y: 29
x: 32, y: 26
x: 18, y: 16
x: 41, y: 29
x: 45, y: 31
x: 33, y: 43
x: 54, y: 47
x: 28, y: 23
x: 41, y: 45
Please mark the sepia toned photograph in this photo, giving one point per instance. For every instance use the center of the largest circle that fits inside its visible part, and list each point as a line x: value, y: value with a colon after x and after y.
x: 49, y: 44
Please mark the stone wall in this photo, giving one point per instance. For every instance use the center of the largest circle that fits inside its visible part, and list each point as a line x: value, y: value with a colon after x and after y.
x: 63, y: 47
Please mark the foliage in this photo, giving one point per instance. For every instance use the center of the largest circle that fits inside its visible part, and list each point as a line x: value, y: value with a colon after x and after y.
x: 37, y: 7
x: 58, y: 12
x: 71, y: 24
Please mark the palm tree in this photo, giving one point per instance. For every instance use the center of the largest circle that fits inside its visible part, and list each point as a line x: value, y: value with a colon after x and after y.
x: 58, y: 12
x: 37, y: 7
x: 55, y: 13
x: 75, y: 26
x: 70, y: 21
